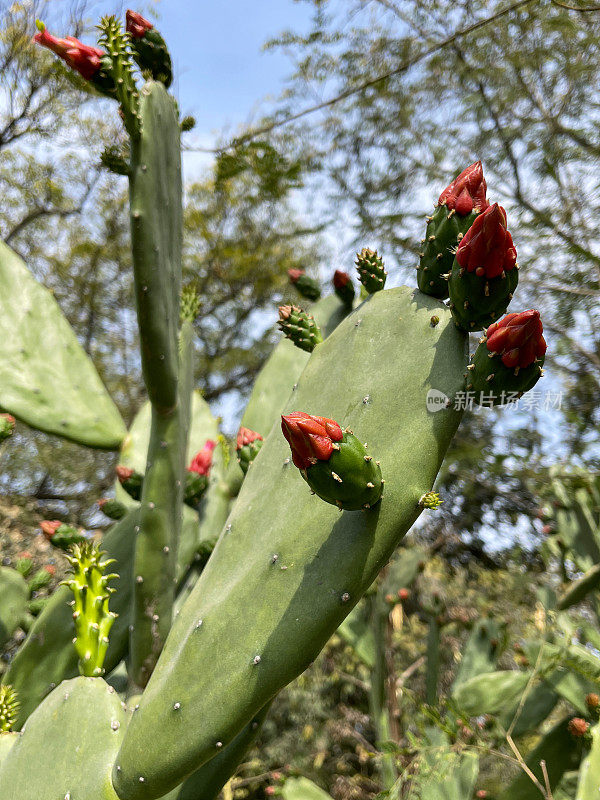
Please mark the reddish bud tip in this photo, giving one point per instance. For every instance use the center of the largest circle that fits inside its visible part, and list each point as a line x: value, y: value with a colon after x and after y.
x: 136, y: 24
x: 341, y: 279
x: 487, y: 247
x: 50, y: 569
x: 102, y: 502
x: 592, y: 700
x: 81, y: 57
x: 49, y: 527
x: 466, y: 192
x: 578, y: 727
x: 246, y: 436
x: 9, y: 418
x: 270, y: 791
x: 295, y: 274
x: 202, y: 461
x: 311, y: 438
x: 517, y: 338
x: 123, y: 473
x: 403, y: 594
x: 24, y: 554
x: 481, y: 793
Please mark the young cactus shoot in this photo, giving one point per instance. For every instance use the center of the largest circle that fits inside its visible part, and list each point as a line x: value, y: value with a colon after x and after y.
x: 91, y: 615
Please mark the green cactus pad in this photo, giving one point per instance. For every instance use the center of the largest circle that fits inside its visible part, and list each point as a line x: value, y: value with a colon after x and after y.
x: 476, y: 302
x: 14, y: 594
x: 207, y: 782
x: 493, y: 383
x: 445, y: 229
x: 350, y: 479
x: 306, y: 563
x: 156, y: 234
x: 276, y: 380
x: 7, y: 741
x: 203, y: 426
x: 68, y: 746
x: 481, y: 652
x: 46, y: 378
x: 302, y: 789
x: 490, y: 692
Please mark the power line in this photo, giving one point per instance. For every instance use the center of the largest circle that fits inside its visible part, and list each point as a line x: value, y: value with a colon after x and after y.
x: 252, y: 134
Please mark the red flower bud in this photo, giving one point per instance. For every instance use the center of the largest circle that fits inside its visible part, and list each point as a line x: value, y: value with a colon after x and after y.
x: 7, y: 426
x: 592, y: 700
x: 123, y: 473
x: 481, y: 793
x: 136, y: 24
x: 341, y: 279
x: 578, y: 727
x: 403, y: 594
x: 202, y: 461
x: 517, y: 338
x: 246, y: 436
x: 295, y: 274
x: 24, y: 554
x: 50, y: 569
x: 81, y: 57
x: 49, y: 527
x: 270, y: 791
x: 466, y: 192
x: 487, y: 248
x: 311, y: 438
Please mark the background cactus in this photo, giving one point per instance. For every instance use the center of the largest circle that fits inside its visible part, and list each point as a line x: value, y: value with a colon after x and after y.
x: 222, y: 604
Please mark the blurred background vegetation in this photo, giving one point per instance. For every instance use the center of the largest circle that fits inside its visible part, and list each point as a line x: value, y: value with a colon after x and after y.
x: 519, y: 92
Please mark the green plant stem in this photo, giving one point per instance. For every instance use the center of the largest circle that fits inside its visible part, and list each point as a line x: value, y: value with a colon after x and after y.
x: 378, y: 694
x: 433, y: 661
x: 160, y: 524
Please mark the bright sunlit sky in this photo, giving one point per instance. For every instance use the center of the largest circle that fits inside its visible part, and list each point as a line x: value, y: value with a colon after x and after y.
x: 221, y: 73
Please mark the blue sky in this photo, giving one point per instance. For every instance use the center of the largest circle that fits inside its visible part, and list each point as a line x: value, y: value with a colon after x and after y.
x: 221, y: 73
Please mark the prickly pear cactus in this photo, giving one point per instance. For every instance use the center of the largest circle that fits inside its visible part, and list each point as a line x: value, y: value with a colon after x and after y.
x: 308, y: 287
x: 39, y: 345
x: 484, y: 274
x: 68, y: 746
x: 508, y: 360
x: 334, y: 463
x: 371, y: 272
x: 14, y: 594
x: 458, y: 206
x: 300, y: 327
x: 309, y: 563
